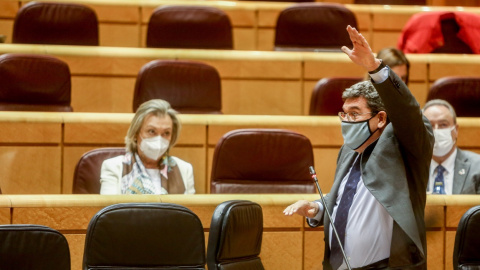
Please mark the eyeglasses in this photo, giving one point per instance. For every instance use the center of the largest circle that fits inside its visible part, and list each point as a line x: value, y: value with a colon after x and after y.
x: 352, y: 117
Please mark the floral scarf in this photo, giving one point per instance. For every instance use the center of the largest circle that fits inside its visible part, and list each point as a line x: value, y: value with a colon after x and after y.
x: 135, y: 179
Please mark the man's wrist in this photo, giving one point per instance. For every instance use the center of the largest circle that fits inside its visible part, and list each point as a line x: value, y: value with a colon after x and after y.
x: 378, y: 68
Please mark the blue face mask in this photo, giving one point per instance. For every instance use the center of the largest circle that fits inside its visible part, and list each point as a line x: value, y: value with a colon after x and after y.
x: 355, y: 134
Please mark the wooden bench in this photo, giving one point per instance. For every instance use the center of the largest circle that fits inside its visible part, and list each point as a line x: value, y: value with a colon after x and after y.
x: 288, y: 242
x: 39, y: 151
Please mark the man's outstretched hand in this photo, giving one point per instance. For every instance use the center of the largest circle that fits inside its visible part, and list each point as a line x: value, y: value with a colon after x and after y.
x: 361, y: 53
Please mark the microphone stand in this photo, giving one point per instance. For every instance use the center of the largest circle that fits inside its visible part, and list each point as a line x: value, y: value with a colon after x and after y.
x: 314, y: 176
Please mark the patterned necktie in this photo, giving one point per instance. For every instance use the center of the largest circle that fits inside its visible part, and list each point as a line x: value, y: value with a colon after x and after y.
x: 341, y: 217
x: 439, y: 184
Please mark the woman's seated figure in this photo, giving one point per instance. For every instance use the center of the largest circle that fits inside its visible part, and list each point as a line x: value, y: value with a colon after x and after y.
x: 147, y: 167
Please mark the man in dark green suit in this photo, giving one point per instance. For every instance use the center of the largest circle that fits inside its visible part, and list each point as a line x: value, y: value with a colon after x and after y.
x: 382, y: 169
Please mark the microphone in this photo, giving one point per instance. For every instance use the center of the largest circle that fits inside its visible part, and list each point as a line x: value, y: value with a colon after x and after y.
x: 314, y: 176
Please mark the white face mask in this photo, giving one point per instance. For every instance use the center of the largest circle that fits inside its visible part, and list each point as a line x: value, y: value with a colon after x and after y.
x: 154, y: 147
x: 443, y: 141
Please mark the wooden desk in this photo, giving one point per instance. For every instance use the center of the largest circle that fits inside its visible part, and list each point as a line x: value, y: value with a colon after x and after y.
x: 40, y: 150
x: 288, y: 242
x: 123, y: 23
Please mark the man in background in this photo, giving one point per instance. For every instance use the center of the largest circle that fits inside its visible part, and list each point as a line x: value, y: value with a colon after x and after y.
x: 452, y: 170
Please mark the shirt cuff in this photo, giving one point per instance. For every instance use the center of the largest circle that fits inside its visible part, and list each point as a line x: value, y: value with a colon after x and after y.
x: 380, y: 74
x: 316, y: 219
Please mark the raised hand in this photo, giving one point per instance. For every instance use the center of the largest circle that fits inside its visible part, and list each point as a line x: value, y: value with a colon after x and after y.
x: 361, y: 53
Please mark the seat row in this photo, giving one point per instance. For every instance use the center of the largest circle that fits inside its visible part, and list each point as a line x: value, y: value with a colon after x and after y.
x: 43, y: 83
x: 144, y: 236
x: 162, y: 235
x: 244, y: 161
x: 204, y: 27
x: 199, y: 27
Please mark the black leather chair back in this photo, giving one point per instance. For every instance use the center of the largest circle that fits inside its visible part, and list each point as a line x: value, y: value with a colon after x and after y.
x: 327, y: 95
x: 235, y: 237
x: 189, y: 86
x: 192, y: 27
x: 33, y: 247
x: 462, y: 92
x: 144, y: 236
x: 314, y: 27
x: 466, y: 251
x: 86, y: 178
x: 31, y: 82
x: 262, y: 161
x: 56, y: 23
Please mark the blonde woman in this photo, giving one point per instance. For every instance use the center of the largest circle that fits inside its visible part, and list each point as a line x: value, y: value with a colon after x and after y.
x: 147, y: 167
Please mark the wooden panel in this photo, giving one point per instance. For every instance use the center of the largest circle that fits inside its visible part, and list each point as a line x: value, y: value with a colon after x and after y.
x: 30, y: 169
x: 382, y: 40
x: 58, y: 218
x: 117, y: 13
x: 434, y: 216
x: 322, y: 130
x: 8, y: 9
x: 120, y: 35
x: 4, y: 215
x: 192, y: 133
x: 262, y: 97
x: 76, y: 243
x: 241, y: 17
x: 455, y: 68
x: 325, y: 164
x: 6, y: 29
x: 435, y: 256
x: 102, y: 94
x: 468, y: 133
x: 95, y: 133
x: 418, y: 67
x: 91, y: 64
x: 244, y: 39
x: 454, y: 214
x: 363, y: 21
x: 419, y: 91
x: 257, y: 69
x: 195, y: 156
x: 449, y: 246
x: 389, y: 20
x: 203, y: 212
x: 332, y: 66
x: 314, y: 247
x: 267, y: 18
x: 308, y: 87
x: 282, y: 250
x: 265, y: 39
x: 273, y: 217
x: 22, y: 132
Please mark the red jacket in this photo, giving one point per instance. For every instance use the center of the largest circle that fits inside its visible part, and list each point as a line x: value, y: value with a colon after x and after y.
x: 423, y: 32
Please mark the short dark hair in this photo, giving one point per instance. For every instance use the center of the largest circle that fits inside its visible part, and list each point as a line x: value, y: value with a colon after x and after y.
x: 365, y: 89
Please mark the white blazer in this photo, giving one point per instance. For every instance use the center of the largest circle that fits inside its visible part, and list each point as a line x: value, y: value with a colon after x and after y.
x: 112, y: 170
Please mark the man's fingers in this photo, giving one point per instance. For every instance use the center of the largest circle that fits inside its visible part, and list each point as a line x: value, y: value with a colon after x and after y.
x: 346, y: 50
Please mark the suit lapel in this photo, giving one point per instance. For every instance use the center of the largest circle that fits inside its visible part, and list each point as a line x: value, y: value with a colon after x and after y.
x: 460, y: 172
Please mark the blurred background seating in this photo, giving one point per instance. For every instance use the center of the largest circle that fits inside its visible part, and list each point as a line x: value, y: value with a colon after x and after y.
x: 56, y: 23
x: 32, y: 82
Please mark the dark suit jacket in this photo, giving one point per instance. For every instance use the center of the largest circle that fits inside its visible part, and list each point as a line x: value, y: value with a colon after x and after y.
x: 466, y: 178
x: 395, y: 170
